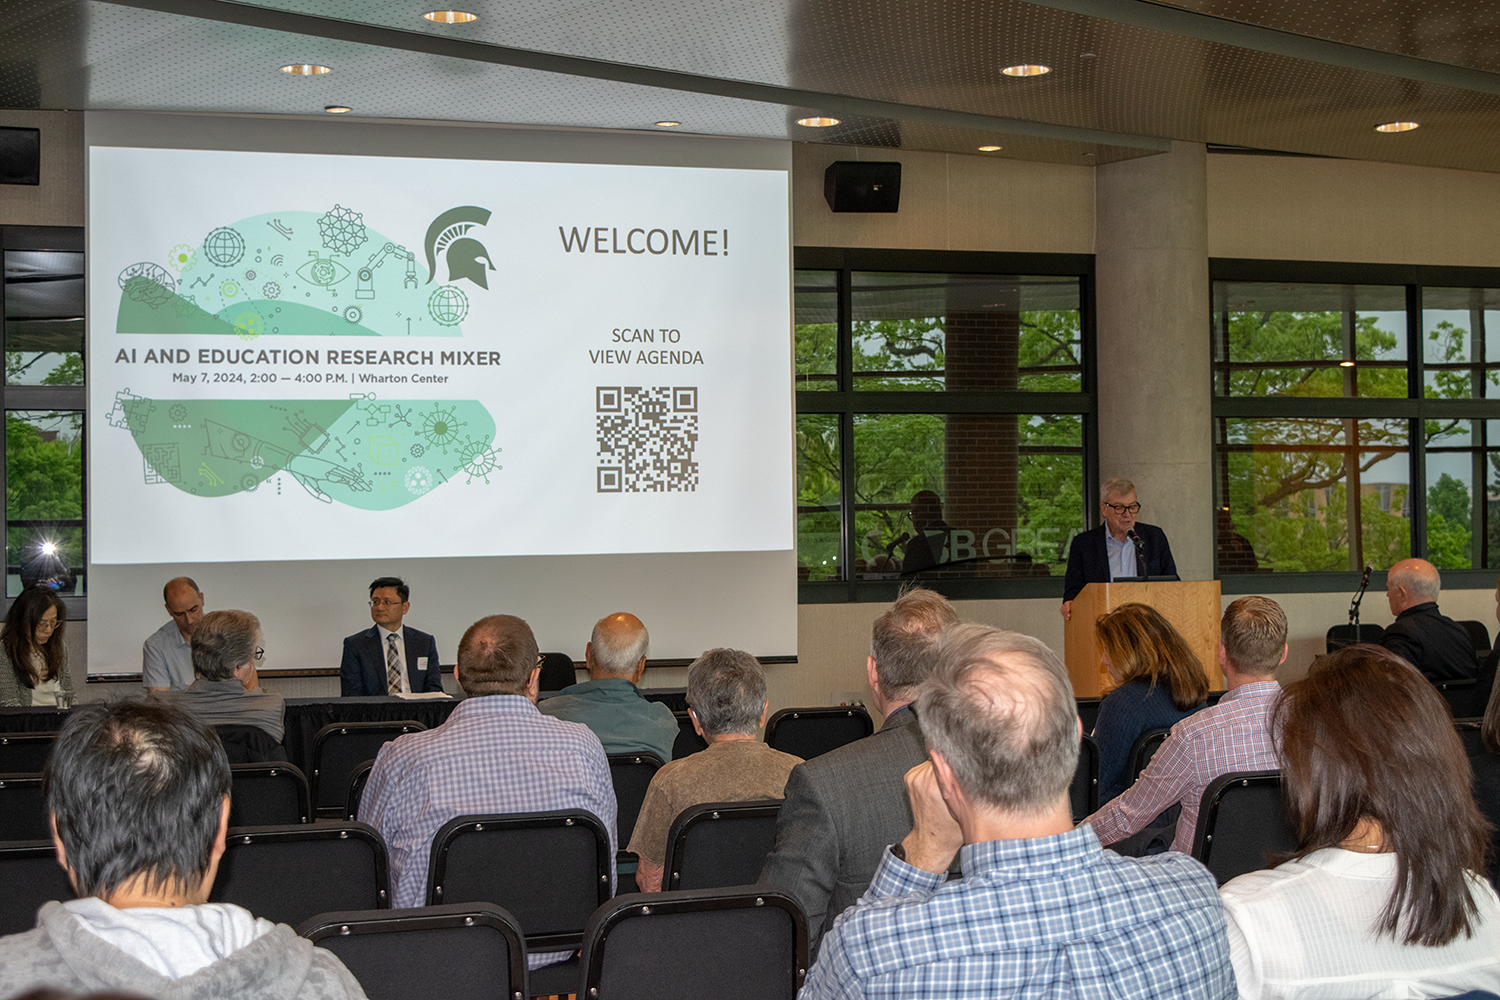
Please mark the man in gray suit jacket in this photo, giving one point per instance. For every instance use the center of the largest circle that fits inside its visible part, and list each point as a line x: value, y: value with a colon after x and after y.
x: 843, y: 809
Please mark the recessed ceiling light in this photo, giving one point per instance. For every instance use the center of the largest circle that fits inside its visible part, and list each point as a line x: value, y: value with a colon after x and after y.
x: 305, y: 69
x: 990, y: 149
x: 1397, y: 127
x: 667, y: 124
x: 450, y: 16
x: 1029, y: 69
x: 817, y: 122
x: 336, y: 109
x: 1346, y: 364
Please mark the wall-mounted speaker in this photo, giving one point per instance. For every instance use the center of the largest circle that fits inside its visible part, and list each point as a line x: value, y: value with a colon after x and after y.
x: 860, y: 186
x: 20, y: 155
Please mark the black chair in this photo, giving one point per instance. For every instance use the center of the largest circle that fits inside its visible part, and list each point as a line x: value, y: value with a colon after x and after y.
x: 268, y: 795
x: 730, y: 945
x: 340, y: 748
x: 1143, y: 749
x: 1241, y: 823
x: 31, y: 876
x: 717, y: 844
x: 1344, y: 635
x: 289, y: 873
x: 558, y: 672
x: 357, y: 782
x: 1088, y: 712
x: 688, y: 741
x: 466, y: 951
x: 1479, y: 634
x: 809, y: 732
x: 249, y: 745
x: 551, y: 870
x: 25, y: 753
x: 1459, y: 695
x: 631, y: 774
x: 1469, y: 733
x: 1083, y: 794
x: 23, y: 808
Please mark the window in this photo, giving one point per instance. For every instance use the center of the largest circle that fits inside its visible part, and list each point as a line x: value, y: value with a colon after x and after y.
x: 944, y: 415
x: 1352, y: 408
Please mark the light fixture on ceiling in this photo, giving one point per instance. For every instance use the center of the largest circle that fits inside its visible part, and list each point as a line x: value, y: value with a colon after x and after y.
x: 817, y: 122
x: 305, y: 69
x: 336, y: 109
x: 666, y: 124
x: 990, y: 149
x: 1346, y: 364
x: 450, y: 16
x: 1397, y: 126
x: 1027, y: 69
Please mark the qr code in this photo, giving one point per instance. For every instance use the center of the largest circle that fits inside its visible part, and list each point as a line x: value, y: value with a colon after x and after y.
x: 647, y: 438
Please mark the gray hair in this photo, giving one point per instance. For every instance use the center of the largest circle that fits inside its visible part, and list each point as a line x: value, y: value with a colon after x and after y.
x: 1000, y: 710
x: 1116, y: 487
x: 223, y: 641
x: 1420, y: 578
x: 726, y: 688
x: 904, y: 640
x: 618, y: 650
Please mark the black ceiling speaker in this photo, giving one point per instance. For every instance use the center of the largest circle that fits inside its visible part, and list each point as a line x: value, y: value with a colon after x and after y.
x: 861, y: 186
x: 20, y: 155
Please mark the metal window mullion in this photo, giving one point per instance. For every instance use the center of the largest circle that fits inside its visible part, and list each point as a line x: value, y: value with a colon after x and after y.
x: 847, y: 472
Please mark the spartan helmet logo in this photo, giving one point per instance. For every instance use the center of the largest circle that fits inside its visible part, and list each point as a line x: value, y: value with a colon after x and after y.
x: 467, y: 258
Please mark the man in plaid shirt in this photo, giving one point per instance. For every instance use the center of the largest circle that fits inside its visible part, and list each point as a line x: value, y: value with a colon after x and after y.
x: 1234, y: 735
x: 1042, y: 909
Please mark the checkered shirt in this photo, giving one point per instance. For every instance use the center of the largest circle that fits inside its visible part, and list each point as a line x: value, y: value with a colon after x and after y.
x: 1055, y: 917
x: 495, y: 754
x: 1234, y: 735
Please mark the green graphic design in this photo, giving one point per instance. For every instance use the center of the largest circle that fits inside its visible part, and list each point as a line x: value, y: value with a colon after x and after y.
x: 364, y: 452
x: 307, y: 274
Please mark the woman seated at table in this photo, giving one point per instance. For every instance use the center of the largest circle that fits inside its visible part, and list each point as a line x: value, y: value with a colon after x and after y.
x: 1382, y: 896
x: 1159, y: 682
x: 33, y: 659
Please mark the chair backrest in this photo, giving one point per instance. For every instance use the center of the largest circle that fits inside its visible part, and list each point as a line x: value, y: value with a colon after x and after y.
x: 467, y: 951
x: 1469, y: 732
x: 268, y: 795
x: 809, y: 732
x: 357, y: 782
x: 688, y: 741
x: 31, y: 876
x: 730, y: 945
x: 1340, y: 636
x: 1083, y: 794
x: 1088, y: 712
x: 289, y: 873
x: 558, y: 672
x: 249, y: 745
x: 1143, y: 749
x: 717, y: 844
x: 1241, y: 823
x: 631, y: 774
x: 549, y: 869
x: 1459, y: 694
x: 341, y: 747
x: 1479, y: 634
x: 25, y: 753
x: 23, y: 808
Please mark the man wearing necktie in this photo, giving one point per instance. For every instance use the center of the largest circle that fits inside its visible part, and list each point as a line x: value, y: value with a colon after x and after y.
x: 389, y: 658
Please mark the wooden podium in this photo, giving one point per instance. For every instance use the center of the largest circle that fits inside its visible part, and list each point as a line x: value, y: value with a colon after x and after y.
x: 1191, y: 606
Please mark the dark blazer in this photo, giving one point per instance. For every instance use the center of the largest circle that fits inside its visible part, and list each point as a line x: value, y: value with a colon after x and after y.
x: 1432, y: 642
x: 842, y: 810
x: 1088, y: 559
x: 362, y: 671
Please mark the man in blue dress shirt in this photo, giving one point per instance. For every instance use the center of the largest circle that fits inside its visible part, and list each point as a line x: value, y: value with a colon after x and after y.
x: 1042, y: 909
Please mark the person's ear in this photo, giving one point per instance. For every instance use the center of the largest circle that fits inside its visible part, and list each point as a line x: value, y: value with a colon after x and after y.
x: 1285, y: 648
x: 763, y: 710
x: 1224, y: 656
x: 871, y: 675
x: 534, y: 683
x: 698, y: 727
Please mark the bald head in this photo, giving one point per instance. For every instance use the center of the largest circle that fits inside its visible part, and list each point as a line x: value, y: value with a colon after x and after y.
x: 617, y: 647
x: 1411, y: 582
x: 184, y: 603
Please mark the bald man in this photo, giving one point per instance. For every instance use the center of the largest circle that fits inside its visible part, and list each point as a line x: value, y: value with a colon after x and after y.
x: 166, y: 658
x: 1427, y: 639
x: 609, y: 702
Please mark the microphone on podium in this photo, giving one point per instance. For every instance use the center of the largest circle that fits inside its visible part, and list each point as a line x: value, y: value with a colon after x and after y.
x: 1140, y: 553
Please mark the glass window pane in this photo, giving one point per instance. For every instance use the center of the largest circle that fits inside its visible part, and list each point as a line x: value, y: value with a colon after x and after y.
x: 1273, y: 339
x: 43, y: 318
x: 966, y: 332
x: 44, y: 499
x: 1285, y: 499
x: 1461, y: 342
x: 817, y: 310
x: 967, y: 495
x: 818, y: 491
x: 1450, y: 493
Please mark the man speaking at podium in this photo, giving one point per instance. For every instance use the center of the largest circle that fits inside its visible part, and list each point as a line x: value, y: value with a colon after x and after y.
x: 1110, y: 551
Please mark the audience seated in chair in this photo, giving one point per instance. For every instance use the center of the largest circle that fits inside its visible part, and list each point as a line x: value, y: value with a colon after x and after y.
x: 1426, y: 638
x: 227, y: 691
x: 726, y: 693
x: 144, y: 871
x: 1383, y: 894
x: 1486, y: 767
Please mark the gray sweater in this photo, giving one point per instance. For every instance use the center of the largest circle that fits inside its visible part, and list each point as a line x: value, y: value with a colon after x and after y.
x: 62, y: 954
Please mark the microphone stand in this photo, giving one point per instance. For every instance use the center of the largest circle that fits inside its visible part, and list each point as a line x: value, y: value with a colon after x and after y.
x: 1140, y: 554
x: 1354, y: 604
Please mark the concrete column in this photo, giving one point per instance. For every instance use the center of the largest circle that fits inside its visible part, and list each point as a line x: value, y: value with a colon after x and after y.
x: 1151, y: 241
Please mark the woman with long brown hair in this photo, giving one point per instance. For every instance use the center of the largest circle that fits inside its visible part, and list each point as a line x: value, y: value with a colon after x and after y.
x: 1382, y: 896
x: 34, y: 670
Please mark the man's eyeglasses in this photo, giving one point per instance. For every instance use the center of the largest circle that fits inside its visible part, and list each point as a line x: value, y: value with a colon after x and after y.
x: 381, y: 602
x: 1123, y: 508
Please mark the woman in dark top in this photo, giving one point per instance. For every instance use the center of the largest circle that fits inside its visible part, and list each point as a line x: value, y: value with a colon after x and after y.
x: 1160, y: 682
x: 1487, y: 783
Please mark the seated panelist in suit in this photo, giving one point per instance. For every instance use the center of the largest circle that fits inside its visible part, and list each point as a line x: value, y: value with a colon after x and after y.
x: 1107, y: 552
x: 389, y: 658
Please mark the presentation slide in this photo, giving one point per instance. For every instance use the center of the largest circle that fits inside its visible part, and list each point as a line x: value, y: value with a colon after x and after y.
x: 301, y: 363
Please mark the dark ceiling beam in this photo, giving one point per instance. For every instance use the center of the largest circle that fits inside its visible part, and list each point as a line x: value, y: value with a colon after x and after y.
x: 1210, y: 28
x: 294, y: 22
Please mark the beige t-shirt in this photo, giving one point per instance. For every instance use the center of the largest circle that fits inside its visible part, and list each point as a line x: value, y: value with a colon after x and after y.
x: 734, y: 771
